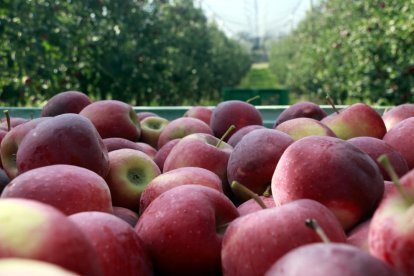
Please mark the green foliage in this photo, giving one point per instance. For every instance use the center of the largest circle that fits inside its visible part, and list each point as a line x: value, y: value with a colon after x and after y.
x: 259, y: 76
x: 352, y: 50
x: 139, y: 51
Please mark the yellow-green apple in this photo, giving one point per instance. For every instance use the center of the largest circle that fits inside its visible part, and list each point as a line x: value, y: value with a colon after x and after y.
x: 390, y: 233
x: 115, y: 143
x: 177, y: 177
x: 181, y: 127
x: 333, y: 172
x: 151, y: 128
x: 119, y: 248
x: 401, y: 137
x: 130, y: 172
x: 375, y: 147
x: 70, y: 189
x: 200, y: 112
x: 233, y: 112
x: 126, y: 215
x: 304, y: 109
x: 163, y: 152
x: 333, y: 259
x: 239, y: 134
x: 38, y: 231
x: 398, y: 113
x: 113, y: 118
x: 65, y: 102
x: 147, y: 149
x: 21, y: 266
x: 254, y: 242
x: 204, y: 151
x: 64, y: 139
x: 251, y: 205
x: 254, y: 159
x: 356, y: 120
x: 302, y: 127
x: 10, y: 144
x: 182, y: 230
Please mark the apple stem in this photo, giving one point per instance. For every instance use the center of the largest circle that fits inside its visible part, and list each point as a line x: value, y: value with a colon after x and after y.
x: 314, y: 225
x: 385, y: 162
x: 253, y: 98
x: 331, y: 102
x: 7, y: 114
x: 231, y: 128
x: 267, y: 193
x: 244, y: 190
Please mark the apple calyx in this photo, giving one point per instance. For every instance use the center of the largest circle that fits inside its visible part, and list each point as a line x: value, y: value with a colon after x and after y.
x: 386, y: 164
x: 231, y: 128
x: 314, y: 225
x: 267, y: 192
x: 7, y: 114
x: 253, y: 98
x: 331, y: 102
x: 244, y: 190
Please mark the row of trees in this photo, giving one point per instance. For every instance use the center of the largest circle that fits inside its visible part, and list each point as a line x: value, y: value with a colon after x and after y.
x: 145, y: 52
x: 352, y: 50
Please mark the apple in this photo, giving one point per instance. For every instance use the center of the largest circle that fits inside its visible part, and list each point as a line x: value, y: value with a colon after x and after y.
x: 239, y: 134
x: 147, y: 149
x: 163, y: 152
x: 181, y: 127
x: 129, y: 173
x: 251, y: 206
x: 20, y: 266
x: 356, y: 120
x: 115, y: 143
x: 64, y: 139
x: 358, y: 236
x: 204, y: 151
x: 182, y: 230
x: 120, y: 250
x: 202, y: 113
x: 254, y: 242
x: 302, y: 127
x: 333, y: 259
x: 2, y: 135
x: 113, y: 118
x: 11, y: 142
x: 4, y: 180
x: 333, y: 172
x: 65, y: 102
x: 177, y: 177
x: 375, y: 147
x: 400, y: 137
x: 34, y: 230
x: 151, y: 128
x: 233, y: 112
x: 304, y: 109
x: 14, y: 122
x: 71, y: 189
x: 398, y: 113
x: 144, y: 114
x: 253, y: 161
x: 126, y: 215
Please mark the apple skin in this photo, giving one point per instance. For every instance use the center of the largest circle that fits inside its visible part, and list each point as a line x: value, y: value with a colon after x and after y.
x: 251, y: 206
x: 356, y: 120
x: 199, y: 150
x: 20, y: 266
x: 34, y: 230
x: 115, y: 143
x: 182, y: 127
x: 400, y: 137
x: 4, y: 180
x: 351, y: 181
x: 254, y: 242
x: 147, y: 149
x: 302, y: 127
x: 151, y: 128
x: 304, y: 109
x: 144, y: 114
x: 390, y: 233
x: 333, y: 259
x: 358, y: 236
x: 113, y: 118
x: 181, y: 230
x: 64, y: 139
x: 202, y: 113
x: 397, y: 114
x: 233, y: 112
x: 65, y: 102
x: 70, y: 189
x: 375, y: 147
x: 163, y: 152
x: 14, y: 122
x: 11, y: 142
x: 2, y: 135
x: 175, y: 178
x: 253, y: 161
x: 120, y: 250
x: 130, y: 172
x: 239, y: 134
x: 126, y: 215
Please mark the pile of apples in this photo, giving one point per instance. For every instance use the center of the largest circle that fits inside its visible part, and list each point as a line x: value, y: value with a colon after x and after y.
x: 94, y: 188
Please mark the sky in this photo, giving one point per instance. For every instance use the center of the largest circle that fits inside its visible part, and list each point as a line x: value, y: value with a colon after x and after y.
x: 274, y: 17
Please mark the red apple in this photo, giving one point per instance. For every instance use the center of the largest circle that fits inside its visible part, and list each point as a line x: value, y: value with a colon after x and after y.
x: 397, y: 114
x: 251, y: 206
x: 163, y: 152
x: 147, y: 149
x: 71, y: 189
x: 202, y: 113
x: 115, y: 143
x: 359, y: 236
x: 239, y: 134
x: 14, y: 122
x: 126, y: 215
x: 144, y: 114
x: 303, y: 109
x: 65, y: 102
